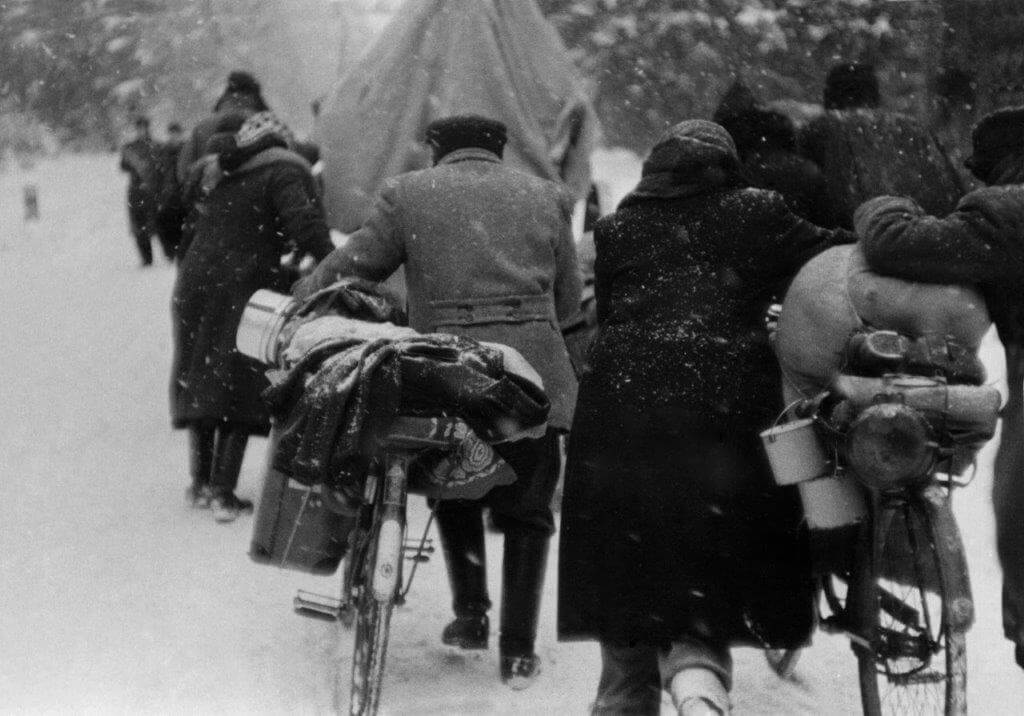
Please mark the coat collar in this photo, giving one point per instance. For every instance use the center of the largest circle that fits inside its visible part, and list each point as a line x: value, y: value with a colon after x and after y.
x: 470, y: 154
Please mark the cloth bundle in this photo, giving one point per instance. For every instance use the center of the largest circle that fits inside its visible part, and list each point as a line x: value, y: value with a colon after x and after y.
x: 351, y: 379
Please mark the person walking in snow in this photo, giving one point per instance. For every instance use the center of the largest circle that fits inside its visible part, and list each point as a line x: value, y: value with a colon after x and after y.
x: 675, y: 543
x: 254, y: 201
x: 980, y: 243
x: 170, y: 213
x: 140, y: 159
x: 865, y: 150
x: 488, y: 254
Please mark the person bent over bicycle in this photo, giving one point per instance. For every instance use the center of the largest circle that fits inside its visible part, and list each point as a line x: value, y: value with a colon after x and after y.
x: 489, y: 255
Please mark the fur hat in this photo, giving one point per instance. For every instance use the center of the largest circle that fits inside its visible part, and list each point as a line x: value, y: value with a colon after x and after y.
x: 997, y: 136
x: 466, y: 130
x: 851, y: 85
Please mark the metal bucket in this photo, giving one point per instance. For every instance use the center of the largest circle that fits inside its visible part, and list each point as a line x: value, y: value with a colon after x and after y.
x: 797, y: 457
x: 795, y: 452
x: 262, y: 321
x: 833, y: 501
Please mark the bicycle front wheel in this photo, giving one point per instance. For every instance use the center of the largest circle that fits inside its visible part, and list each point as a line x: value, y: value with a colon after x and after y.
x: 373, y: 620
x: 913, y: 659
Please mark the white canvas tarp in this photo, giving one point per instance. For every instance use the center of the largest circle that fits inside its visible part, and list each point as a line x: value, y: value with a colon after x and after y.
x: 497, y: 58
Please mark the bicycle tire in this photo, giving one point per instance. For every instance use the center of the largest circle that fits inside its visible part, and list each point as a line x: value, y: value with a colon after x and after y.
x: 373, y: 622
x: 913, y: 659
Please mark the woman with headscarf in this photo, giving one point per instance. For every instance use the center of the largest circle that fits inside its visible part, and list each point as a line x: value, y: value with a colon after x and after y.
x: 675, y: 543
x: 254, y: 201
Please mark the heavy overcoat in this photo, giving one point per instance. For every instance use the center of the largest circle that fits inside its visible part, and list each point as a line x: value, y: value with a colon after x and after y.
x: 488, y: 254
x: 869, y: 152
x: 671, y: 525
x: 254, y: 215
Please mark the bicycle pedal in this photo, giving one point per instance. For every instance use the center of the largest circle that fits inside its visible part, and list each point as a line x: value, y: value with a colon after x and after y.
x: 318, y: 606
x: 415, y: 546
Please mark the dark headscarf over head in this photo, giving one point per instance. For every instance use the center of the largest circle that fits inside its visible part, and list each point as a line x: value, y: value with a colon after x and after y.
x: 466, y: 130
x: 997, y: 143
x: 851, y: 85
x: 693, y: 157
x: 242, y: 91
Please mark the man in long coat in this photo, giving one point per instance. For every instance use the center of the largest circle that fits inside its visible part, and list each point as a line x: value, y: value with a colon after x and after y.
x: 981, y: 243
x: 140, y: 159
x: 488, y: 255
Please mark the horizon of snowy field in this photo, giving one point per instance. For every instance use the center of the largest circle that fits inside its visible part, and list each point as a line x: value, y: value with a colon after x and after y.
x: 118, y: 599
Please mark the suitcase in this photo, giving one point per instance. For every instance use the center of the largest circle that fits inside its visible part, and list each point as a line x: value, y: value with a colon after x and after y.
x: 294, y: 528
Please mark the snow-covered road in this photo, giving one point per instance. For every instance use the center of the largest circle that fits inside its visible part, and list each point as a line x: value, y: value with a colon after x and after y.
x: 115, y: 598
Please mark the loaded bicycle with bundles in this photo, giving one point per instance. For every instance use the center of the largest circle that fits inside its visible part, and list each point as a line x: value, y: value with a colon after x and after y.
x: 367, y: 411
x: 887, y: 406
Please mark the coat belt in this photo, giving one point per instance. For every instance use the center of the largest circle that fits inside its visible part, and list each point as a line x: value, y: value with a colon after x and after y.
x: 498, y: 309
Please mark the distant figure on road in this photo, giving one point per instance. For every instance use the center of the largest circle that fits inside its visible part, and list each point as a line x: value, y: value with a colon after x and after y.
x: 170, y: 212
x: 139, y: 157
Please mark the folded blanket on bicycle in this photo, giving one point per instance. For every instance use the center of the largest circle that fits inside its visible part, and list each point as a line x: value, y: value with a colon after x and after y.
x: 337, y: 401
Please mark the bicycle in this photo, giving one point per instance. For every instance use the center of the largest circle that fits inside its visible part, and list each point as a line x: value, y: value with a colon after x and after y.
x: 373, y: 580
x: 903, y: 598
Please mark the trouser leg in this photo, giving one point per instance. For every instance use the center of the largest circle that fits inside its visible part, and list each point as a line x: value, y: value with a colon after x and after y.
x: 461, y: 529
x: 1008, y: 500
x: 227, y: 462
x: 630, y: 682
x: 522, y: 511
x: 145, y: 247
x: 201, y: 441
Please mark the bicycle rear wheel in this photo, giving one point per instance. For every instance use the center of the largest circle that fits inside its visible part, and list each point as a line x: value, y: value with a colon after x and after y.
x: 914, y: 658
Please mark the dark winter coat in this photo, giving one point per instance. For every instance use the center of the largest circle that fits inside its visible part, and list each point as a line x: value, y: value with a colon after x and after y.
x: 670, y: 522
x: 488, y: 255
x: 140, y: 158
x: 797, y: 178
x: 981, y: 243
x: 259, y: 210
x: 869, y: 152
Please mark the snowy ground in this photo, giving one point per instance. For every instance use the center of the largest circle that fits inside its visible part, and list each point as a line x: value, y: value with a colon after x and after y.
x: 117, y: 599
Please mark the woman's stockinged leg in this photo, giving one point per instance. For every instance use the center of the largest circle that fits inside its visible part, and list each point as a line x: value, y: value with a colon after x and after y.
x: 201, y: 441
x: 630, y: 681
x: 698, y: 675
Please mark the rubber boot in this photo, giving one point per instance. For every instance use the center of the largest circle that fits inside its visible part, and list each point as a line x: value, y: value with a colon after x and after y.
x: 227, y: 464
x: 200, y: 438
x: 522, y: 584
x: 460, y: 527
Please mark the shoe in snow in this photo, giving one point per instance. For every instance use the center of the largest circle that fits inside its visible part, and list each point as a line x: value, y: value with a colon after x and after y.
x: 467, y: 632
x: 198, y: 496
x: 227, y: 507
x: 519, y: 672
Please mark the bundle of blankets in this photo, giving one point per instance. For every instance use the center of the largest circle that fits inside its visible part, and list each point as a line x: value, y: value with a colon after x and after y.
x: 351, y: 371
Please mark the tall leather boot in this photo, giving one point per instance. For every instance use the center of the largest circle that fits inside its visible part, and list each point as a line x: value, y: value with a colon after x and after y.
x: 461, y: 529
x: 227, y: 463
x: 522, y: 585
